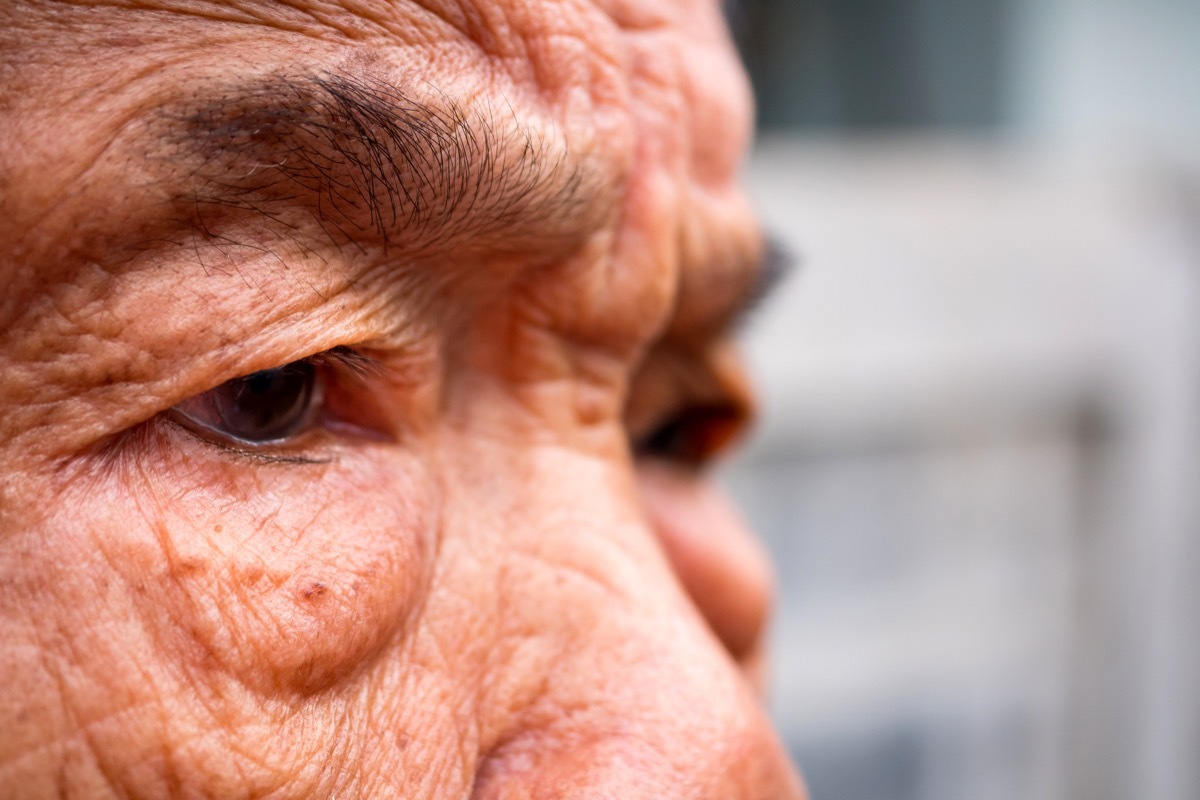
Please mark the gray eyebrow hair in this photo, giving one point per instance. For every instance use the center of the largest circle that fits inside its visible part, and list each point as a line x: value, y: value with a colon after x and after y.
x: 369, y: 160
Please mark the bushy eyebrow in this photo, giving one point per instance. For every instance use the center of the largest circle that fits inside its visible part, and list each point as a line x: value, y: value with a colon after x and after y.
x: 370, y: 160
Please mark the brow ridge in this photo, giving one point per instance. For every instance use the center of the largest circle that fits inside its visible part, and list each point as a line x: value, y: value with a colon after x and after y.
x: 375, y: 161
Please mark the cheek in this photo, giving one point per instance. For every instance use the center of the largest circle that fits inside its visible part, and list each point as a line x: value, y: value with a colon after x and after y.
x: 289, y: 578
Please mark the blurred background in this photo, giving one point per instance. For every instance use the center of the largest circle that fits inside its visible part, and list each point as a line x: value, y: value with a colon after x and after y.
x: 980, y: 456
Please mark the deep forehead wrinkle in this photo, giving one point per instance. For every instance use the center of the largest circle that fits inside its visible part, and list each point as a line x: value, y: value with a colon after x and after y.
x: 372, y: 161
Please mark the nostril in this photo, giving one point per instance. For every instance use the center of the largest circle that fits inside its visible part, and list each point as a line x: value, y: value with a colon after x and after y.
x: 717, y: 560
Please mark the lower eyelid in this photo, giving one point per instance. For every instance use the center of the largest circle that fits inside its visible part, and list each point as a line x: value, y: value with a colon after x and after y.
x: 276, y: 452
x: 266, y: 457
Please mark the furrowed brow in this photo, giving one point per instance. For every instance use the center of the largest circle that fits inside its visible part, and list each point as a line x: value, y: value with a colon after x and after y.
x: 372, y: 162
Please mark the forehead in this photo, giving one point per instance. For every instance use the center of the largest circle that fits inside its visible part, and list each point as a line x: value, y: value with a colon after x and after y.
x: 647, y: 93
x: 571, y: 54
x: 529, y: 39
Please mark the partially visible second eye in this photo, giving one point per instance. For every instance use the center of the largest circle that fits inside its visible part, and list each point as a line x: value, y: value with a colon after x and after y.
x: 263, y: 407
x: 693, y: 436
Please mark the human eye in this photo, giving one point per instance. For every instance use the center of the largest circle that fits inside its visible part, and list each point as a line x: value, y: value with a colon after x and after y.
x: 692, y: 435
x: 279, y: 412
x: 688, y: 408
x: 268, y: 406
x: 690, y: 400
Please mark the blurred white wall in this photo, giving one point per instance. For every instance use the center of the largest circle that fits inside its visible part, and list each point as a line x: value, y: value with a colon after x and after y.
x: 1121, y: 72
x: 979, y: 466
x: 977, y: 469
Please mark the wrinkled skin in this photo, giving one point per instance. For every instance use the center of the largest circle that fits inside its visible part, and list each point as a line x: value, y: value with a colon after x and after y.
x: 463, y: 583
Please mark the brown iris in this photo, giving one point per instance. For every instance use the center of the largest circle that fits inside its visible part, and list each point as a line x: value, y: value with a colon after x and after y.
x: 266, y: 406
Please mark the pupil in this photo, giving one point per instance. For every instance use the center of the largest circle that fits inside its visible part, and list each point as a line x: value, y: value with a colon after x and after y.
x: 267, y: 405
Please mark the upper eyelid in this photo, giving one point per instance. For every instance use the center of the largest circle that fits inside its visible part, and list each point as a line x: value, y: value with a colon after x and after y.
x: 262, y: 455
x: 355, y: 361
x: 348, y: 357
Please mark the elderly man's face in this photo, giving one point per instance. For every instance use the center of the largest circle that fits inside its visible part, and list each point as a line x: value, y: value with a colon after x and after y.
x: 359, y: 364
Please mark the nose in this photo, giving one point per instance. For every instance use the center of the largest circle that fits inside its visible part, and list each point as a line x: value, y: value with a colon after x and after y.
x: 639, y: 700
x: 718, y: 561
x: 625, y: 605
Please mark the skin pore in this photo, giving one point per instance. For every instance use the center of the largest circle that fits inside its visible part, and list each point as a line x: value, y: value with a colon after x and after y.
x: 491, y: 253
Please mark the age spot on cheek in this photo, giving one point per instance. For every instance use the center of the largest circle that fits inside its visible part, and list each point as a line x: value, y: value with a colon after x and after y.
x: 314, y: 591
